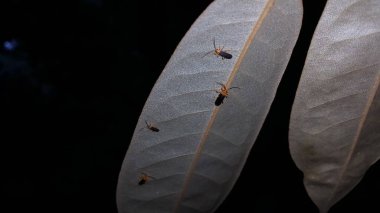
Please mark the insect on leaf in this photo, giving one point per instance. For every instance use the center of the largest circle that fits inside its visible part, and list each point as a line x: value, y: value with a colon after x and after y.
x: 335, y: 121
x: 199, y: 152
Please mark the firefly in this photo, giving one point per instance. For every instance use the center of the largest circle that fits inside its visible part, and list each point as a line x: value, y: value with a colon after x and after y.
x: 151, y: 127
x: 144, y: 178
x: 223, y: 93
x: 219, y: 52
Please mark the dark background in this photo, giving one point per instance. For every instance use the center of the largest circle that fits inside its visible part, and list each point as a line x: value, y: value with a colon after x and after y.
x: 74, y: 85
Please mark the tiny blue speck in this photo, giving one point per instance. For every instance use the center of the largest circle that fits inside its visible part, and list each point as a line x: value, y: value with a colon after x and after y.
x: 10, y: 45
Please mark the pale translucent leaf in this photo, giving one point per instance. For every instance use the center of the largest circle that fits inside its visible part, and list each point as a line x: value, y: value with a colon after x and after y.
x: 196, y: 157
x: 335, y: 122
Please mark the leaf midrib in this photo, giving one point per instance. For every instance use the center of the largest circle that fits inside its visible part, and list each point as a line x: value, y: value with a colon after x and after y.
x: 371, y: 96
x: 267, y: 8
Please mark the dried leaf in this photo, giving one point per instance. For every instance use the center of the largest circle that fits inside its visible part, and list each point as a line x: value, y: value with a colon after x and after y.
x: 193, y: 161
x: 335, y: 126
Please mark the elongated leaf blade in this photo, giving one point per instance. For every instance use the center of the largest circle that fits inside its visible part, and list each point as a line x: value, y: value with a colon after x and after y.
x: 192, y: 162
x: 335, y: 122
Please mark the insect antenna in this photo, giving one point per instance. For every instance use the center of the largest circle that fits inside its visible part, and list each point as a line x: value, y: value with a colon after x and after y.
x: 147, y: 124
x: 208, y: 53
x: 220, y: 84
x: 214, y: 43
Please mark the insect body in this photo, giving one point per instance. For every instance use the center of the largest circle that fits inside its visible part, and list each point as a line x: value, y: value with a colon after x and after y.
x: 219, y: 52
x: 151, y: 127
x: 223, y: 93
x: 144, y: 178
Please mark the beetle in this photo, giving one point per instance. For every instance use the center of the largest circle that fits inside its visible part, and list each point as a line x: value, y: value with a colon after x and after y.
x: 219, y: 52
x: 151, y: 127
x: 223, y: 93
x: 144, y: 178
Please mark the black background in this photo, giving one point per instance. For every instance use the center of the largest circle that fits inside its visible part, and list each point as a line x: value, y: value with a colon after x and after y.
x: 72, y: 91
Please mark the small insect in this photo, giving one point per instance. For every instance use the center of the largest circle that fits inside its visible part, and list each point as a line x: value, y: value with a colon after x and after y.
x: 223, y: 93
x: 219, y: 52
x: 151, y: 127
x: 144, y: 178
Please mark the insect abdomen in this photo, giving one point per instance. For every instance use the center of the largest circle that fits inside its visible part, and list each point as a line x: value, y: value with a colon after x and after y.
x: 142, y: 182
x: 154, y: 129
x: 219, y: 100
x: 225, y: 55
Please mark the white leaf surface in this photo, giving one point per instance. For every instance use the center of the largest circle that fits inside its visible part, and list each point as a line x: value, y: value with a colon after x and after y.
x: 196, y: 157
x: 335, y: 122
